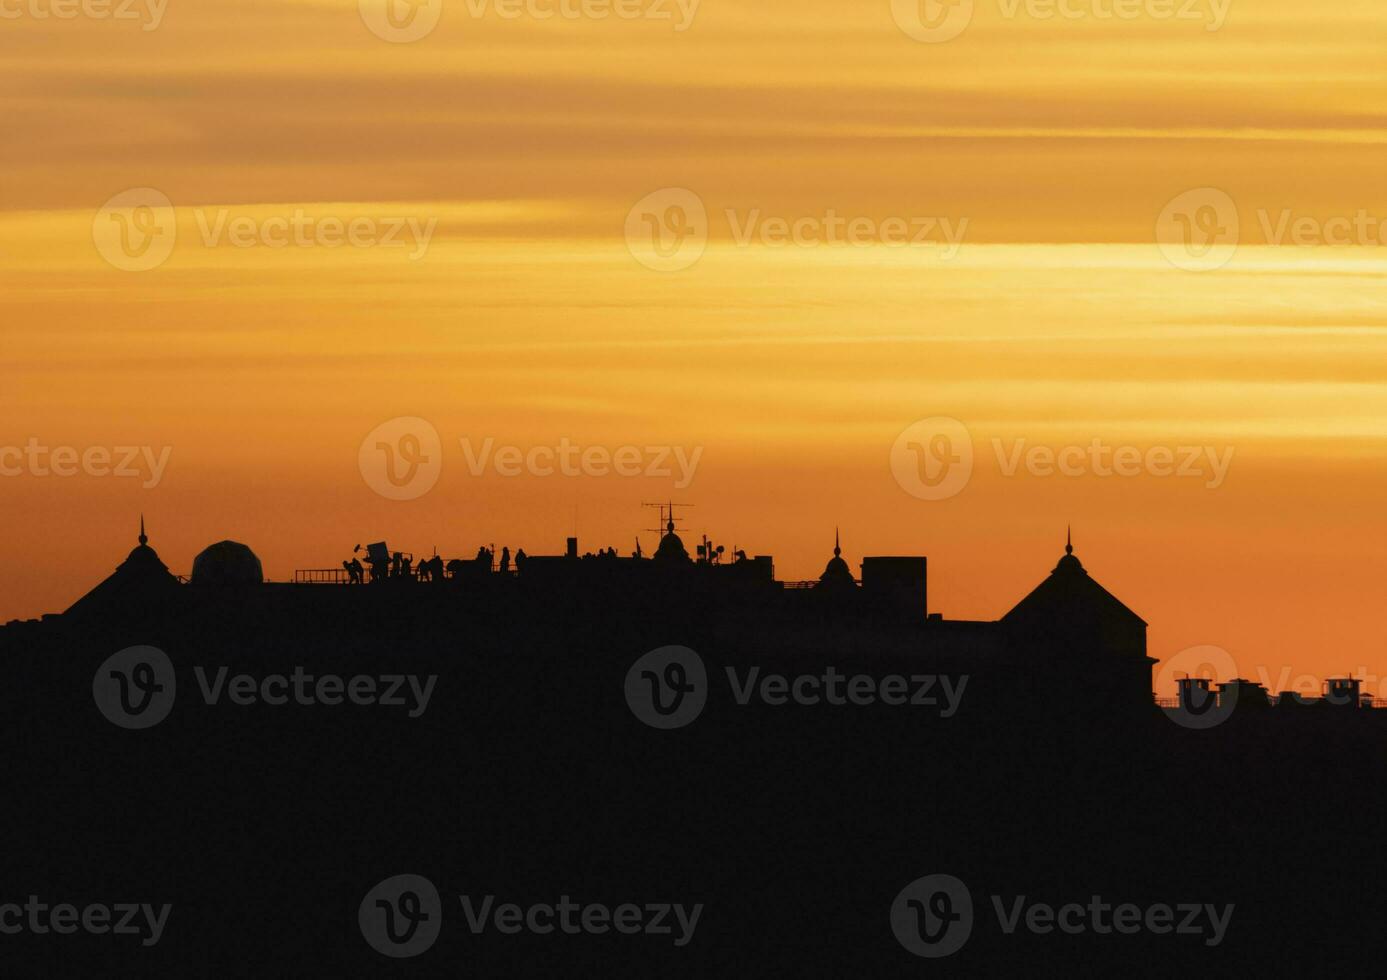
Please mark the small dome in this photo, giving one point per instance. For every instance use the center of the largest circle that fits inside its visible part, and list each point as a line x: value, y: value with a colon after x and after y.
x: 836, y: 568
x: 227, y: 563
x: 142, y: 556
x: 1069, y: 563
x: 671, y: 548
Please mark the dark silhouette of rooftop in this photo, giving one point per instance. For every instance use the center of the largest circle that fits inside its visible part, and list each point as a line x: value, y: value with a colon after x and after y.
x: 1056, y: 776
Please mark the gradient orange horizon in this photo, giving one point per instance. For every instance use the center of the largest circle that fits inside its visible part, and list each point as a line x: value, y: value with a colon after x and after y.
x: 522, y: 144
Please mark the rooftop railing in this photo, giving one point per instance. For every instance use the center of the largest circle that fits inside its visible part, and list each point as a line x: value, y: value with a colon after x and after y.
x: 321, y: 576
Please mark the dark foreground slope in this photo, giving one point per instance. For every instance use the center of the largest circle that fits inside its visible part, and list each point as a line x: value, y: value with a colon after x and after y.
x: 529, y: 777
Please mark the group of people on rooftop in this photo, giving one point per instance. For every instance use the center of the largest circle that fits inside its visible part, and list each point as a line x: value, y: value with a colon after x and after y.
x: 402, y: 568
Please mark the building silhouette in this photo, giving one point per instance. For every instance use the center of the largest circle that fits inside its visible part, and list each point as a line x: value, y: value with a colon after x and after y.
x: 265, y: 819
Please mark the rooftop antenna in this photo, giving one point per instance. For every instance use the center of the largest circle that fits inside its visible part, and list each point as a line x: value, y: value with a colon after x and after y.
x: 1069, y: 539
x: 144, y: 538
x: 667, y: 525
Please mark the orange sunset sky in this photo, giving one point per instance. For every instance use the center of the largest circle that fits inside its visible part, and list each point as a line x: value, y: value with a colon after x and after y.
x: 528, y: 316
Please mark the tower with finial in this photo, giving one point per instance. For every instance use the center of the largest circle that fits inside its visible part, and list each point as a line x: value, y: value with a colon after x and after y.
x: 138, y: 584
x: 1069, y: 562
x: 1070, y: 620
x: 836, y: 574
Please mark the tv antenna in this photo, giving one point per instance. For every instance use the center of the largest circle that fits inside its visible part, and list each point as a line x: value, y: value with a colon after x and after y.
x: 667, y: 523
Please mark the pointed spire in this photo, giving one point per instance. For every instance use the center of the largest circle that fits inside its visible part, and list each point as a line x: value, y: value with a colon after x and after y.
x: 837, y: 551
x: 144, y: 538
x: 1069, y: 561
